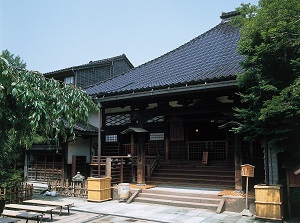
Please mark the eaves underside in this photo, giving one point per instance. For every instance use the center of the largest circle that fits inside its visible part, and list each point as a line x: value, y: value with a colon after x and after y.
x: 166, y: 91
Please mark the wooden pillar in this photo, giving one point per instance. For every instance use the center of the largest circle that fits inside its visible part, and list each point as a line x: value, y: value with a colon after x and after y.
x: 26, y: 166
x: 141, y: 150
x: 132, y: 145
x: 266, y: 150
x: 141, y: 159
x: 167, y: 143
x: 99, y: 139
x: 237, y: 163
x: 108, y: 167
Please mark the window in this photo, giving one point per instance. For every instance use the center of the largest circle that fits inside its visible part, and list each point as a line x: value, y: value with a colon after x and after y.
x: 118, y: 119
x: 158, y: 136
x: 69, y: 80
x: 111, y: 138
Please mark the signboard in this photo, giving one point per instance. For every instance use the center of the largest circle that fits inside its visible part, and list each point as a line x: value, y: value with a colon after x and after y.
x: 247, y: 170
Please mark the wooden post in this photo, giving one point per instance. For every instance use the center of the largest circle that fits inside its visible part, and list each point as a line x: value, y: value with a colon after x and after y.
x: 288, y: 194
x: 132, y: 144
x: 108, y: 167
x: 141, y: 150
x: 247, y: 171
x: 247, y: 206
x: 266, y: 160
x: 148, y: 171
x: 141, y: 159
x: 238, y: 163
x: 167, y: 143
x: 26, y: 166
x: 122, y: 171
x: 99, y: 140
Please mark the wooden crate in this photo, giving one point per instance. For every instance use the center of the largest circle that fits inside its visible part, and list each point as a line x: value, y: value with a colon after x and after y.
x: 99, y: 189
x: 268, y: 202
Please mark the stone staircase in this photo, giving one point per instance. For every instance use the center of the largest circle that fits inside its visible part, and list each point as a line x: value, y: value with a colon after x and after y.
x: 221, y: 177
x: 182, y: 198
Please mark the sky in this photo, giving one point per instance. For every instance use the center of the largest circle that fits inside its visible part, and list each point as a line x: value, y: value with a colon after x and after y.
x: 55, y: 34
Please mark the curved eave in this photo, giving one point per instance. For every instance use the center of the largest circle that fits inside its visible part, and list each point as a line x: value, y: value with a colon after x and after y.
x: 167, y: 91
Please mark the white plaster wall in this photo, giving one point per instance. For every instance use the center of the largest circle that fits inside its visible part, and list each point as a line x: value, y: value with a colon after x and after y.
x: 80, y: 147
x: 93, y: 119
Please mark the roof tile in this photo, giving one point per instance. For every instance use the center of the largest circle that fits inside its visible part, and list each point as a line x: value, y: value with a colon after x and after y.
x: 208, y: 57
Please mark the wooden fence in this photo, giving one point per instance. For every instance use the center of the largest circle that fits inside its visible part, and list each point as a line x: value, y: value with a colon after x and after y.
x: 69, y: 189
x: 16, y: 194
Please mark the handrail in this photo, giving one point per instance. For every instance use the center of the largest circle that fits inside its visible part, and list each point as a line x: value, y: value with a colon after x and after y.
x: 151, y: 167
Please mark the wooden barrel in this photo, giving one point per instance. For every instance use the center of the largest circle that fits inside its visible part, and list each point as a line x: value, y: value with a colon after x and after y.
x: 268, y: 202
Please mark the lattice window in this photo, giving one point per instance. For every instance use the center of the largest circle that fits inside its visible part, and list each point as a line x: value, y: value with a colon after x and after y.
x: 216, y: 150
x: 111, y: 138
x: 157, y: 136
x: 119, y: 119
x: 156, y: 119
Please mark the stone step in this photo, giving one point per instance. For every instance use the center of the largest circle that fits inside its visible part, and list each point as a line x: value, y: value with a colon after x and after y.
x: 191, y: 185
x: 193, y: 174
x: 181, y: 198
x: 177, y: 203
x: 182, y: 192
x: 202, y: 176
x: 206, y: 180
x: 205, y: 199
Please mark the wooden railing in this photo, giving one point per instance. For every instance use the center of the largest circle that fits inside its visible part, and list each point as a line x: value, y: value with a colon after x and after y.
x: 151, y: 167
x: 121, y: 168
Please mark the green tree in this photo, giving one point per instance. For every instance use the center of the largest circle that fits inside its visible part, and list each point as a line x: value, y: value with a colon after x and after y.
x: 270, y: 42
x: 13, y: 60
x: 31, y: 104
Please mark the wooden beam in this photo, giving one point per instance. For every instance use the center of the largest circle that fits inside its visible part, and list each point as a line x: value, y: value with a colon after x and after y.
x: 221, y: 206
x: 133, y: 196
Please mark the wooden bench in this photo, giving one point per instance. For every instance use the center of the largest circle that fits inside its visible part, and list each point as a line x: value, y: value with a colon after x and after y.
x: 23, y: 215
x: 59, y: 204
x: 8, y: 220
x: 24, y: 207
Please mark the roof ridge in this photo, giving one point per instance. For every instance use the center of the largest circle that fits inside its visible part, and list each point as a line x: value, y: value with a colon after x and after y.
x: 90, y: 63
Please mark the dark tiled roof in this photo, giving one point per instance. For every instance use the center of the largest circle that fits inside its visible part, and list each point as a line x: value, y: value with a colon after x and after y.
x: 209, y: 57
x: 91, y: 63
x: 83, y: 128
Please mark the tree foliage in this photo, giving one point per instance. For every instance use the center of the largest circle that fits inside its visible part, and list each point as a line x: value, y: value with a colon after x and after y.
x: 13, y: 60
x: 30, y: 104
x: 270, y: 42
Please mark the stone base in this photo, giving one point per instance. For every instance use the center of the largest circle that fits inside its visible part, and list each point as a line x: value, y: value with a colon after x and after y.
x: 246, y: 212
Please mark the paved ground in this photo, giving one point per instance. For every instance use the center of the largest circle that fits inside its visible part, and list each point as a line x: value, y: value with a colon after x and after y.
x: 114, y: 211
x: 117, y: 212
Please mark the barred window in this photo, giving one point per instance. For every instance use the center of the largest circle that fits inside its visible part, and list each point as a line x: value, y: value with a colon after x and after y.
x: 111, y: 138
x: 158, y: 136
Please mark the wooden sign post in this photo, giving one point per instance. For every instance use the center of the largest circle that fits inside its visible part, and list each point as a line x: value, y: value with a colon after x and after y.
x: 247, y: 171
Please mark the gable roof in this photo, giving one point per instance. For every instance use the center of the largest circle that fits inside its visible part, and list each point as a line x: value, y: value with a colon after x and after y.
x: 102, y: 62
x: 210, y: 57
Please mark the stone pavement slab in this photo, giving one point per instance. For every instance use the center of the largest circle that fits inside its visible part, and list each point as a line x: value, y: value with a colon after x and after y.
x: 114, y: 211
